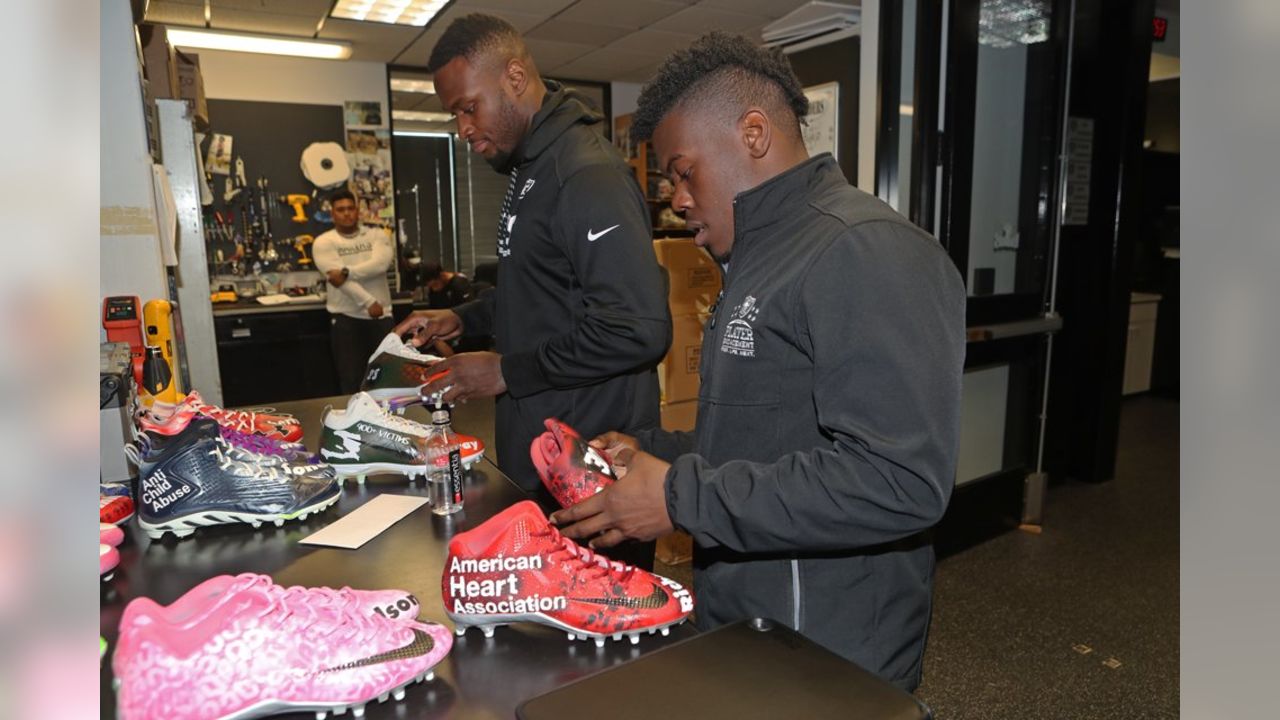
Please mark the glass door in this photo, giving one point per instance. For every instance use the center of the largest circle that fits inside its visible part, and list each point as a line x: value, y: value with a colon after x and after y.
x: 971, y: 100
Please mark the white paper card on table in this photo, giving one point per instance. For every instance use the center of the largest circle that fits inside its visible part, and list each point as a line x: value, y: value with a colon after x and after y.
x: 366, y: 522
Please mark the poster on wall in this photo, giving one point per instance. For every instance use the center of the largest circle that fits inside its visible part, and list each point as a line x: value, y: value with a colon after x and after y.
x: 362, y: 113
x: 368, y: 149
x: 822, y: 124
x: 218, y: 161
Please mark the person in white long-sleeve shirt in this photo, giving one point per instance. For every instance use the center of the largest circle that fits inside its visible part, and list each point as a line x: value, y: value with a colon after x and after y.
x: 354, y: 260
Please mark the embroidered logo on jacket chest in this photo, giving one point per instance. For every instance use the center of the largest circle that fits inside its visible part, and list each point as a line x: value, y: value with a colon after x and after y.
x: 739, y: 337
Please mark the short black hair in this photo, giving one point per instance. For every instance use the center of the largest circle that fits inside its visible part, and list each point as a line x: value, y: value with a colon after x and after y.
x: 720, y: 68
x: 431, y: 269
x: 471, y: 36
x: 343, y: 194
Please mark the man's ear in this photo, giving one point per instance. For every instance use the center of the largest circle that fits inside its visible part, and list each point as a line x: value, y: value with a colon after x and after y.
x: 516, y: 76
x: 756, y: 131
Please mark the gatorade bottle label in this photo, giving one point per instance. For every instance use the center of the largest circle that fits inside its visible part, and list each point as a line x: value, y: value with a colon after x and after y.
x: 455, y: 474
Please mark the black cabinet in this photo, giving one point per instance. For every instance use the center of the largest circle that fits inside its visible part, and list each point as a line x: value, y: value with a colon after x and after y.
x: 273, y: 357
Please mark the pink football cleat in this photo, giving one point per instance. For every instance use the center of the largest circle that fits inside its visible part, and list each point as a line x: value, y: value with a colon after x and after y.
x: 108, y: 559
x: 109, y: 534
x: 257, y: 649
x: 398, y: 605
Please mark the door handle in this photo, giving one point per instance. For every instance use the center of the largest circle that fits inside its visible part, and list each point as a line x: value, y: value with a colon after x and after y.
x: 1049, y: 323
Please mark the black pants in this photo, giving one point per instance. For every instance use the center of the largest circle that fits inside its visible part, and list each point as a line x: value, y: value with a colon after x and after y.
x: 352, y: 342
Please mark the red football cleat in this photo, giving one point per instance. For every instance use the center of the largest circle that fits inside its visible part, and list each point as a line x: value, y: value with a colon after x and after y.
x: 262, y: 421
x: 570, y: 468
x: 516, y: 567
x: 114, y: 509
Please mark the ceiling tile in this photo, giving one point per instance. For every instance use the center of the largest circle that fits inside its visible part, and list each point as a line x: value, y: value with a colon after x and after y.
x: 604, y: 65
x: 629, y: 14
x: 393, y: 37
x: 416, y: 54
x: 545, y: 8
x: 655, y: 42
x: 549, y: 54
x: 575, y: 32
x: 373, y: 52
x: 522, y: 21
x: 172, y: 13
x: 314, y: 8
x: 699, y: 19
x: 266, y: 23
x: 639, y: 75
x: 772, y: 9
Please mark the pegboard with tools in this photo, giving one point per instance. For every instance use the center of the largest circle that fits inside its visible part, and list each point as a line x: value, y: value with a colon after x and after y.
x: 265, y: 211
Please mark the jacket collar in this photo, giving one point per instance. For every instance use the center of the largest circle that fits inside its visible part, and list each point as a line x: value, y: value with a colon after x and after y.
x: 777, y: 197
x: 562, y: 108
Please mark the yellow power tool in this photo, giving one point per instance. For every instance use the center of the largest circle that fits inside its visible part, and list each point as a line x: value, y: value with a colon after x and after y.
x: 298, y: 202
x: 301, y: 243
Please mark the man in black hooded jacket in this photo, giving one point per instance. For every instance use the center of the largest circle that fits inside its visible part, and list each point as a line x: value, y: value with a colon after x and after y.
x: 579, y: 313
x: 829, y: 407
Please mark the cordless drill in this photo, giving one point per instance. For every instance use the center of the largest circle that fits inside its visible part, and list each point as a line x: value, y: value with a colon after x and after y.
x: 298, y: 202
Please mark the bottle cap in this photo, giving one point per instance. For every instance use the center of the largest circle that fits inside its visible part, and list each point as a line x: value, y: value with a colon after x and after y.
x: 440, y: 417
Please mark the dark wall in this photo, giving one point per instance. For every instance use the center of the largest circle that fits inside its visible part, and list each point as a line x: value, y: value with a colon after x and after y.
x: 418, y: 160
x: 1112, y: 55
x: 1162, y: 115
x: 836, y: 62
x: 271, y: 137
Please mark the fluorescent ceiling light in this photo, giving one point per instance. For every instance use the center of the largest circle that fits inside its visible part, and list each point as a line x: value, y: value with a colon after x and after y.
x: 237, y: 42
x: 1006, y: 23
x: 395, y: 12
x: 425, y: 87
x: 420, y: 116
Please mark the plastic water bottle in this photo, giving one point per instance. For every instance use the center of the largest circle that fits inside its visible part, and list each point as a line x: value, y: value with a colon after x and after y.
x: 444, y: 481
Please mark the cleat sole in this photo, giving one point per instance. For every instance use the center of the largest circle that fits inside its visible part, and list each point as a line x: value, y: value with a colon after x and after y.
x: 362, y: 471
x: 488, y: 623
x: 323, y: 710
x: 186, y: 525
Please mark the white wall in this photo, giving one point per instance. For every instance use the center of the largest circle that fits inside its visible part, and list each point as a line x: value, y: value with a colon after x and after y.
x: 983, y: 405
x: 275, y: 78
x: 868, y: 87
x: 625, y: 97
x: 130, y: 260
x: 997, y: 159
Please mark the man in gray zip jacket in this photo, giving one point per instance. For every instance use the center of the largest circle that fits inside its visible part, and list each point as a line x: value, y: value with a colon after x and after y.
x: 828, y: 415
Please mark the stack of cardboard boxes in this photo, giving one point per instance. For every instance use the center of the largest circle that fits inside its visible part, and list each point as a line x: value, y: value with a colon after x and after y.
x: 695, y: 285
x: 173, y: 74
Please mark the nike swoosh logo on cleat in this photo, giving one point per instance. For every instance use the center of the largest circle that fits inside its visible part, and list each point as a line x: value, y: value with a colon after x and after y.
x: 419, y: 646
x: 652, y: 601
x: 592, y: 237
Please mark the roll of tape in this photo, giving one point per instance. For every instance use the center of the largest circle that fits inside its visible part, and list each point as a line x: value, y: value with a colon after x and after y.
x: 325, y: 165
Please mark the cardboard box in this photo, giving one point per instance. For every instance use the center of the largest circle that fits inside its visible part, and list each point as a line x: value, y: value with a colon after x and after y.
x: 679, y: 415
x: 191, y: 87
x: 678, y: 372
x: 694, y: 276
x: 159, y: 61
x: 674, y: 548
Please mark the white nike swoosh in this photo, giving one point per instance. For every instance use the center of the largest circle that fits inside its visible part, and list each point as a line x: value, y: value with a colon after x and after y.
x: 592, y: 237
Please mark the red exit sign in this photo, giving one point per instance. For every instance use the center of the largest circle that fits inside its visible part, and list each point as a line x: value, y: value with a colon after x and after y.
x: 1159, y: 28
